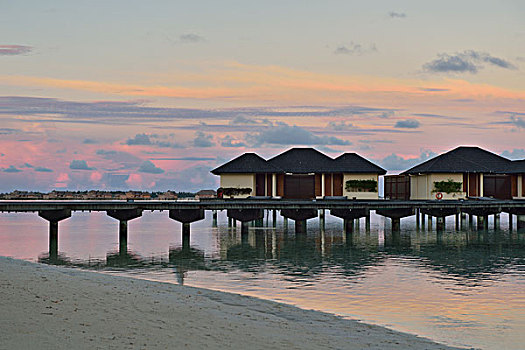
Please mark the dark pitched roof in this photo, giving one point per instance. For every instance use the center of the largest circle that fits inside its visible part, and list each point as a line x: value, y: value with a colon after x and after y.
x: 517, y: 167
x: 357, y: 164
x: 246, y: 163
x: 302, y: 161
x: 463, y: 160
x: 299, y: 161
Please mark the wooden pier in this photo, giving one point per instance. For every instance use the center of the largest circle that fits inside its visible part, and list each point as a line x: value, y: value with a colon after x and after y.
x: 252, y: 210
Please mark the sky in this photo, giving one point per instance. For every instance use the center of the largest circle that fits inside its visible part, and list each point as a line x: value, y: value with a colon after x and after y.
x: 152, y: 95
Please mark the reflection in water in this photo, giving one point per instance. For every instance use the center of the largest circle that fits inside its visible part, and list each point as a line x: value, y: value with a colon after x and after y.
x: 464, y: 287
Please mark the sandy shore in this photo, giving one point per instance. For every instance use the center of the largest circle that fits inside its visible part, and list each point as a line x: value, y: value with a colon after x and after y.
x: 47, y: 307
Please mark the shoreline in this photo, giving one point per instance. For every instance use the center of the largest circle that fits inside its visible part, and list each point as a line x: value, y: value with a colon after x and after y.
x: 53, y: 307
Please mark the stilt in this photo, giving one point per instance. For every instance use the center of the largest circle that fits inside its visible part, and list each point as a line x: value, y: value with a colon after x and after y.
x: 123, y: 238
x: 357, y: 224
x: 417, y: 219
x: 481, y: 222
x: 497, y: 221
x: 274, y: 218
x: 521, y: 223
x: 54, y: 216
x: 367, y: 223
x: 348, y: 225
x: 53, y: 240
x: 300, y: 226
x: 185, y: 235
x: 440, y: 223
x: 429, y: 218
x: 423, y: 221
x: 214, y: 222
x: 458, y: 222
x: 511, y: 223
x: 396, y: 224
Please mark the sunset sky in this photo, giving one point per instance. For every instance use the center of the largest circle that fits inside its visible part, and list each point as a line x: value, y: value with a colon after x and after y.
x: 151, y: 95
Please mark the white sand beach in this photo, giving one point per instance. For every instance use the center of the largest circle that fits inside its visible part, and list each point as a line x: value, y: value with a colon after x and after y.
x: 48, y: 307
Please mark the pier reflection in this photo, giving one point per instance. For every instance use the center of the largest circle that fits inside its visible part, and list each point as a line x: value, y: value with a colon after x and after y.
x: 472, y: 256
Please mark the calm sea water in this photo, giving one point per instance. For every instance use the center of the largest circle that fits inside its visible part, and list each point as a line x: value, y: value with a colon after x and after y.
x: 463, y: 288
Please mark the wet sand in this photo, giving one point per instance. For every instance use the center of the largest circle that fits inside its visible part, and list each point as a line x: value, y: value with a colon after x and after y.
x: 48, y: 307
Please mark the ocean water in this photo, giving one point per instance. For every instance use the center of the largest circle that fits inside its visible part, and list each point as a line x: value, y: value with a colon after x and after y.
x: 459, y: 287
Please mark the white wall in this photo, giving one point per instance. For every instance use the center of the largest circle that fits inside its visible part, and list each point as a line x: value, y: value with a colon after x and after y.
x: 360, y: 195
x: 239, y: 181
x: 422, y: 186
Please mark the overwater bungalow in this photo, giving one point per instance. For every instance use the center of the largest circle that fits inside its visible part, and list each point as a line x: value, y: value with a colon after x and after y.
x: 300, y: 173
x: 460, y: 173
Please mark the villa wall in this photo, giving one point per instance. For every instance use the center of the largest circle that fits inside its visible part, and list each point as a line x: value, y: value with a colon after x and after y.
x: 239, y: 181
x: 360, y: 195
x: 422, y: 186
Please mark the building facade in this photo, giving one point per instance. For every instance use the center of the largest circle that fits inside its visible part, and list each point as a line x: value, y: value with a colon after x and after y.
x: 464, y: 172
x: 300, y: 173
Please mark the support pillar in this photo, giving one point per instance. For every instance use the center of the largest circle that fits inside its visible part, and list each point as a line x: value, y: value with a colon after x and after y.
x: 511, y: 223
x: 521, y: 223
x: 124, y: 215
x: 348, y: 225
x: 458, y: 222
x: 185, y: 235
x: 396, y: 224
x: 300, y: 216
x: 367, y: 222
x: 274, y: 218
x: 186, y: 217
x: 300, y: 226
x: 497, y: 221
x: 321, y: 220
x: 214, y: 222
x: 54, y: 216
x: 417, y: 218
x: 440, y: 223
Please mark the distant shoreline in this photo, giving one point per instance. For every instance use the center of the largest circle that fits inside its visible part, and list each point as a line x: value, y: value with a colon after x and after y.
x: 53, y: 307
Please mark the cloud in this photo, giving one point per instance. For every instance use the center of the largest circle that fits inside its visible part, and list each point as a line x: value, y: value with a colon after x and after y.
x: 340, y: 126
x: 229, y: 141
x: 187, y: 158
x: 468, y: 61
x: 124, y: 159
x: 191, y: 38
x: 43, y: 170
x: 13, y: 50
x: 393, y: 14
x: 167, y: 144
x: 139, y: 139
x: 191, y: 179
x: 516, y: 153
x: 203, y: 140
x: 79, y: 165
x: 284, y: 134
x: 11, y: 169
x: 395, y: 162
x: 407, y: 124
x: 89, y: 142
x: 518, y: 122
x: 150, y: 168
x: 9, y: 131
x: 438, y: 116
x: 355, y: 49
x: 145, y: 140
x: 246, y: 120
x: 430, y: 89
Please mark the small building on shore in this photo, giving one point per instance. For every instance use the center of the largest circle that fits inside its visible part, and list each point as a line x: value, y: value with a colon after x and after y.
x: 300, y: 173
x: 460, y: 173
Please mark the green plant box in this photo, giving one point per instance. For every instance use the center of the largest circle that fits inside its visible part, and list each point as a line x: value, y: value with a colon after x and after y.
x: 361, y: 185
x: 449, y: 186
